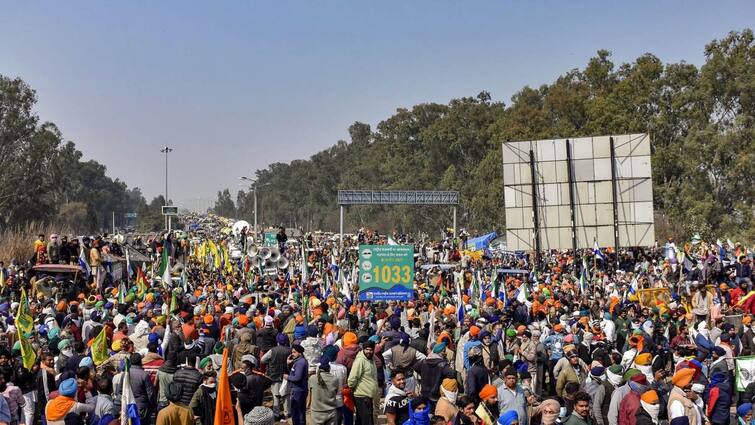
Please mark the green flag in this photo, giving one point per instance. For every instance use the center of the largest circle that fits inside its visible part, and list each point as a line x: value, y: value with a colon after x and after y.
x: 24, y: 320
x: 100, y: 353
x: 28, y: 356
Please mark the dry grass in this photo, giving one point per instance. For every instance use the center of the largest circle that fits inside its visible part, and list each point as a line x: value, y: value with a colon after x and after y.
x: 18, y: 243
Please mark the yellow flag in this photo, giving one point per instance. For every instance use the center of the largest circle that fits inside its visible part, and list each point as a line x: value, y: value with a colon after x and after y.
x: 24, y: 320
x: 28, y: 356
x: 100, y: 352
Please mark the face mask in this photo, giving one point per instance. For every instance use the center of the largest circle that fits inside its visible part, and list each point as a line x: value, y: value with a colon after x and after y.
x: 562, y: 412
x: 450, y: 395
x: 652, y: 409
x: 550, y: 418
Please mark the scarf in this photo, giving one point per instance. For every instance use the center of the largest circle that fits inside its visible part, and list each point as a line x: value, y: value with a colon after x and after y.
x: 614, y: 378
x: 419, y: 418
x: 647, y: 371
x: 652, y: 409
x: 59, y: 407
x: 450, y: 395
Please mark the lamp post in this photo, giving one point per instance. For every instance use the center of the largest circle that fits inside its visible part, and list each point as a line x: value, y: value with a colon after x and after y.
x: 166, y: 150
x: 253, y: 186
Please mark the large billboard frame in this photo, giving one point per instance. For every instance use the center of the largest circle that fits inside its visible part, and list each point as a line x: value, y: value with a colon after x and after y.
x: 570, y: 193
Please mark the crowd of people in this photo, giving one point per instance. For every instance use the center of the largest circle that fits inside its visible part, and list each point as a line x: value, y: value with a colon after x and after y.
x: 639, y: 337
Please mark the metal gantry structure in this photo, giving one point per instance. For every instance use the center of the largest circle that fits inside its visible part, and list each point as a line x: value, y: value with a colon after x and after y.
x: 396, y: 197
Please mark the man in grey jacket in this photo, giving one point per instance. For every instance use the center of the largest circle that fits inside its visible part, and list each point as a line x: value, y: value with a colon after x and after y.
x: 618, y: 395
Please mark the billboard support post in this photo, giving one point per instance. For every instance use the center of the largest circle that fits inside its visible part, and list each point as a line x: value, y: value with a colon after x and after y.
x: 614, y: 182
x: 455, y: 233
x: 340, y: 229
x: 570, y: 174
x: 535, y: 217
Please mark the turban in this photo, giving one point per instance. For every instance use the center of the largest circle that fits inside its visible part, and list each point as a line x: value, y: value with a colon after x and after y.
x: 449, y: 384
x: 487, y: 392
x: 331, y: 351
x: 474, y: 331
x: 643, y: 359
x: 630, y: 373
x: 683, y: 377
x: 558, y: 327
x: 719, y: 351
x: 508, y: 417
x: 68, y: 387
x: 649, y: 396
x: 439, y: 347
x: 639, y: 378
x: 349, y: 339
x: 744, y: 409
x: 204, y: 362
x: 63, y: 344
x: 298, y: 348
x: 282, y: 339
x: 260, y: 415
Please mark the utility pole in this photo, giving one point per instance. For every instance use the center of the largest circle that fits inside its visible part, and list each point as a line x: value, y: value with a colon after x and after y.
x: 254, y: 187
x: 166, y: 150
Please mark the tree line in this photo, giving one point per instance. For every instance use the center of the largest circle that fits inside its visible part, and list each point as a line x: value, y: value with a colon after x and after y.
x: 700, y: 121
x: 45, y: 180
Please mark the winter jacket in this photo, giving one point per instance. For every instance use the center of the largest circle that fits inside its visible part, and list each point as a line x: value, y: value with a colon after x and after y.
x: 347, y: 355
x: 569, y: 374
x: 477, y: 377
x: 141, y: 385
x: 719, y: 401
x: 190, y: 379
x: 277, y: 362
x: 266, y: 339
x: 643, y: 418
x: 363, y: 377
x: 432, y: 371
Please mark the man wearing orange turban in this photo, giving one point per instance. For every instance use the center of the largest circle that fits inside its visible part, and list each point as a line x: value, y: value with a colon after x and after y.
x: 681, y: 398
x: 488, y: 410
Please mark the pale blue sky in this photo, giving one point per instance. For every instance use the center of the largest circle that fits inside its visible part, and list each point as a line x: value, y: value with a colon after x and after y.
x: 233, y: 86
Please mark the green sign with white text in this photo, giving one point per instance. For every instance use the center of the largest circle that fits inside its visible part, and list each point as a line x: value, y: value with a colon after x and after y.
x: 386, y: 272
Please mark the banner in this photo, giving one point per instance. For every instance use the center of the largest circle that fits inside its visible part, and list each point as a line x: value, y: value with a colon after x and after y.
x: 386, y: 272
x: 648, y: 297
x: 745, y: 371
x: 270, y: 239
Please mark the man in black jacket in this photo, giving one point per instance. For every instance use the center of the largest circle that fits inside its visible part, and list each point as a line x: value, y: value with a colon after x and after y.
x: 142, y: 387
x: 276, y: 363
x: 432, y: 370
x: 189, y: 378
x: 266, y: 336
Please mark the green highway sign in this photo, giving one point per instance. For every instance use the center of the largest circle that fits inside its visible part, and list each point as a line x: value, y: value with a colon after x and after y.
x: 386, y: 272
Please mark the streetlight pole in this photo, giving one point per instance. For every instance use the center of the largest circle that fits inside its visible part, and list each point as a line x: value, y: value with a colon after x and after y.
x: 166, y: 150
x: 254, y: 188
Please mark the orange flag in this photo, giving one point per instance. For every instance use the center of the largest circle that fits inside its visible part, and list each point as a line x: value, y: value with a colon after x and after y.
x: 223, y: 407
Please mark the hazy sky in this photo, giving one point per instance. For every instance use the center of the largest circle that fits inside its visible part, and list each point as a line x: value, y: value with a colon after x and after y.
x: 234, y: 86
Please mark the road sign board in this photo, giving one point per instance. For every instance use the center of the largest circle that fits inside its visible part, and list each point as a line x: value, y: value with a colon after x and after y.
x: 386, y: 272
x: 170, y: 210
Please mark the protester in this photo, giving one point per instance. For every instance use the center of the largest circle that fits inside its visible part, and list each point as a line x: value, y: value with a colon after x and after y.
x: 492, y: 335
